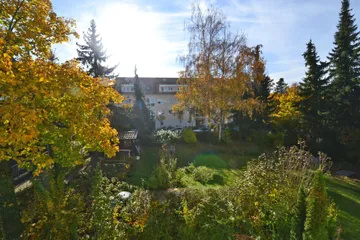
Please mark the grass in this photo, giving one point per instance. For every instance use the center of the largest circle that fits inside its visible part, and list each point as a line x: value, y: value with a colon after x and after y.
x: 210, y: 161
x: 346, y: 194
x: 228, y: 160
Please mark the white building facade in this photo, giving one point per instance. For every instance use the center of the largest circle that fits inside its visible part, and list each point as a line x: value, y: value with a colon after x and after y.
x: 159, y: 97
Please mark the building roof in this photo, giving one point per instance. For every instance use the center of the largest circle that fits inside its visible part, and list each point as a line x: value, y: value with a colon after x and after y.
x: 150, y: 85
x: 128, y: 135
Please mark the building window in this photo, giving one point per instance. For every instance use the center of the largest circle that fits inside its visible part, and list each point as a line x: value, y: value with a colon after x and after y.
x: 170, y: 112
x: 170, y: 87
x: 160, y: 101
x: 151, y: 115
x: 127, y: 88
x: 150, y: 101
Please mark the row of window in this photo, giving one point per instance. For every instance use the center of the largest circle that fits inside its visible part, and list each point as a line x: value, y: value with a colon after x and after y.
x: 151, y: 101
x: 125, y: 88
x: 129, y: 88
x: 169, y: 88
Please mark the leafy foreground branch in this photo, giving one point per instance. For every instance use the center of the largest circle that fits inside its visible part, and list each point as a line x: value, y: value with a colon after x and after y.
x: 279, y: 196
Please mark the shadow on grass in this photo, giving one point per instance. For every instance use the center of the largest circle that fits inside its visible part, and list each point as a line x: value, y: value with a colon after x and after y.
x: 346, y: 195
x: 345, y: 204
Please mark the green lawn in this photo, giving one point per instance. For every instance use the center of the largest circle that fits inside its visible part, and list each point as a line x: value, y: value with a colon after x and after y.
x: 346, y: 195
x: 235, y: 156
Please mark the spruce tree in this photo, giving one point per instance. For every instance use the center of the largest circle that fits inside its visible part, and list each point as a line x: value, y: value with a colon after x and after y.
x: 298, y: 220
x: 142, y: 116
x: 264, y: 88
x: 313, y: 91
x: 92, y: 55
x: 281, y: 86
x: 345, y: 71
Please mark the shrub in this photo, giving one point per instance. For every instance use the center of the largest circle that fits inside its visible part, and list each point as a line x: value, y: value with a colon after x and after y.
x: 269, y: 186
x: 163, y: 175
x: 166, y: 136
x: 317, y: 209
x: 188, y: 136
x: 226, y: 138
x: 56, y: 212
x: 298, y: 220
x: 210, y: 161
x: 203, y: 174
x: 274, y: 139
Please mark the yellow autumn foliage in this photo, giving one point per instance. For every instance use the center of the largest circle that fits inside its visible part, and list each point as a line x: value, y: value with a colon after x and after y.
x: 46, y: 106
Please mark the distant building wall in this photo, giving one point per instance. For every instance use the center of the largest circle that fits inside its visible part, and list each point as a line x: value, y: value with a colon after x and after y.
x: 159, y: 98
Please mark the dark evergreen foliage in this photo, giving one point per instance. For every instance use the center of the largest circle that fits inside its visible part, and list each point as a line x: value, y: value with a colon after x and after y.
x: 345, y: 86
x: 92, y: 54
x: 281, y: 86
x: 141, y: 112
x: 298, y: 220
x: 345, y: 71
x: 313, y: 90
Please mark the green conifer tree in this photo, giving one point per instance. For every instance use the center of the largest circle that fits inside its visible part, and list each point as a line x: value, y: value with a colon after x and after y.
x: 345, y: 71
x: 281, y: 86
x: 142, y: 115
x: 316, y: 210
x: 313, y: 90
x: 298, y: 220
x: 92, y: 54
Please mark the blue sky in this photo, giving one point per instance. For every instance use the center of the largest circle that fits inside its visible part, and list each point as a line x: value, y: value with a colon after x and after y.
x: 150, y: 33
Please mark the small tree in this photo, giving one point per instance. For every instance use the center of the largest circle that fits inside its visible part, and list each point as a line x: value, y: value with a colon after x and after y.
x: 316, y: 210
x: 188, y: 136
x: 298, y: 220
x: 56, y: 212
x: 101, y: 222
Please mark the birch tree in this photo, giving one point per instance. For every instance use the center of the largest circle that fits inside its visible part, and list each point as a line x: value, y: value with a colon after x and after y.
x: 219, y: 69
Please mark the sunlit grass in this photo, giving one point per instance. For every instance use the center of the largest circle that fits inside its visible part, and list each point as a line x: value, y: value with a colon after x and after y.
x: 346, y: 195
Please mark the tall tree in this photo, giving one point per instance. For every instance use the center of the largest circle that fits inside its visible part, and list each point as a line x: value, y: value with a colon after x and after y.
x: 141, y: 112
x: 264, y: 88
x: 218, y: 69
x: 50, y: 113
x: 92, y: 54
x: 313, y: 92
x: 262, y: 85
x: 345, y: 74
x: 281, y: 86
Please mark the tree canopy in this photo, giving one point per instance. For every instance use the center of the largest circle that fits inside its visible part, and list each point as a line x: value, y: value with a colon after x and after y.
x: 219, y: 69
x: 50, y: 113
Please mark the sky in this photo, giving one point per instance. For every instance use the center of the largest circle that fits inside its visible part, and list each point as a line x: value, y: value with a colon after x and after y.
x: 151, y: 34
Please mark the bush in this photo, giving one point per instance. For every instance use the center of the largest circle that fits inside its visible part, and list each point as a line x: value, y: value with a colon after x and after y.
x: 56, y: 211
x: 203, y: 174
x: 166, y: 136
x: 164, y: 174
x: 317, y: 209
x: 188, y: 136
x: 210, y: 161
x: 227, y: 136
